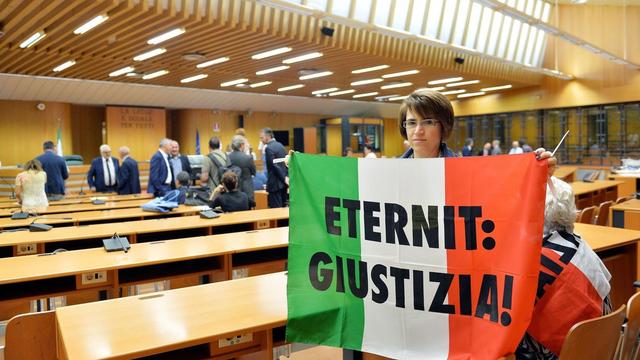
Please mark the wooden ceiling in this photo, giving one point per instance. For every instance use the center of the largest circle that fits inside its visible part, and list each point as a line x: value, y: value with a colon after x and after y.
x: 215, y: 28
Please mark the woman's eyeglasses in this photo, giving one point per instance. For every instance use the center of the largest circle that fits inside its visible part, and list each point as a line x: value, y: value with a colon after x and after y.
x: 413, y: 123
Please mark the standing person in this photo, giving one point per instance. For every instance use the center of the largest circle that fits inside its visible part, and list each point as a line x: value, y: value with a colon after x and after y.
x: 486, y: 149
x: 103, y: 173
x: 526, y: 148
x: 495, y: 147
x: 179, y: 162
x: 368, y: 152
x: 467, y: 150
x: 247, y: 146
x: 515, y: 148
x: 161, y: 177
x: 210, y: 174
x: 129, y: 175
x: 30, y: 185
x: 277, y: 181
x: 56, y: 169
x: 348, y: 151
x: 245, y: 162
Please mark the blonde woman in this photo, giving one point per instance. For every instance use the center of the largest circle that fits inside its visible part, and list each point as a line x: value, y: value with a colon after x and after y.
x: 30, y: 187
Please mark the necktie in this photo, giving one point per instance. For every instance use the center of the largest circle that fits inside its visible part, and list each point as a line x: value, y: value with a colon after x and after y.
x: 108, y: 173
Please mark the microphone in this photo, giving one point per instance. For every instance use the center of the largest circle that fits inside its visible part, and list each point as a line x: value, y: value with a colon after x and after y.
x: 33, y: 227
x: 81, y: 192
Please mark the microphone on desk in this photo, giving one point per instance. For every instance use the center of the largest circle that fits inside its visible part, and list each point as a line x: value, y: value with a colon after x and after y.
x: 81, y: 192
x: 33, y: 227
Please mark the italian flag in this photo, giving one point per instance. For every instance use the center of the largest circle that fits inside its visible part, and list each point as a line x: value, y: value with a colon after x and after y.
x: 414, y: 258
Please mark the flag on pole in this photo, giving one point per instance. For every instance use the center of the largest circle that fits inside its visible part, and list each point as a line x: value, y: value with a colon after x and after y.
x: 59, y: 143
x: 414, y: 259
x: 197, y: 142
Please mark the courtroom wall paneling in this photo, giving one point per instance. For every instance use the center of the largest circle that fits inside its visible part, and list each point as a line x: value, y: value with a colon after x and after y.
x: 141, y: 129
x: 86, y: 123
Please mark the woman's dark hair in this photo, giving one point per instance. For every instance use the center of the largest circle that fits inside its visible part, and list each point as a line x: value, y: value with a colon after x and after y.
x: 183, y: 178
x: 230, y: 180
x: 33, y: 164
x: 428, y: 104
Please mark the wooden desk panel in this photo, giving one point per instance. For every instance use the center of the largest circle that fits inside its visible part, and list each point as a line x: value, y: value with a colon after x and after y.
x: 629, y: 186
x: 626, y: 215
x: 77, y: 218
x: 83, y: 200
x: 261, y: 199
x: 151, y: 324
x: 565, y: 173
x: 592, y: 194
x: 260, y: 218
x: 53, y: 209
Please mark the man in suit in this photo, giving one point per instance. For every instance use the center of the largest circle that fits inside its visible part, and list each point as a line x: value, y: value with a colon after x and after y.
x: 277, y: 180
x: 239, y: 158
x: 56, y: 169
x: 179, y: 162
x: 467, y: 150
x: 128, y: 176
x: 161, y: 176
x: 103, y: 173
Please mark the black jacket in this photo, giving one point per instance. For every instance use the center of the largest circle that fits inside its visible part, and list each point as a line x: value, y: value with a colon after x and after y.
x: 275, y: 172
x: 248, y: 167
x: 129, y: 177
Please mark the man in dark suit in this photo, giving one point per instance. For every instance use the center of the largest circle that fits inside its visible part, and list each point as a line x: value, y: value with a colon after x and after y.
x: 128, y: 176
x: 467, y: 150
x: 56, y: 169
x: 277, y: 180
x: 247, y: 166
x: 179, y: 162
x: 103, y: 173
x: 161, y: 176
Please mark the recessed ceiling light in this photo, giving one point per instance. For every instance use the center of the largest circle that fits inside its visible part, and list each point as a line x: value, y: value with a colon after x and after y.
x: 150, y: 54
x: 368, y: 81
x: 494, y: 88
x: 396, y: 98
x: 292, y: 87
x: 270, y: 53
x: 212, y: 62
x: 193, y: 78
x: 304, y: 57
x: 436, y: 88
x: 134, y: 74
x: 154, y: 75
x: 166, y: 36
x: 373, y: 68
x: 193, y: 56
x: 471, y: 94
x: 315, y: 75
x: 33, y: 39
x: 122, y: 71
x: 453, y: 92
x: 365, y: 95
x: 64, y: 65
x: 398, y: 85
x: 272, y: 70
x: 444, y: 81
x: 263, y: 83
x: 233, y: 82
x: 402, y: 73
x: 90, y: 24
x: 323, y: 91
x: 462, y: 83
x: 342, y: 92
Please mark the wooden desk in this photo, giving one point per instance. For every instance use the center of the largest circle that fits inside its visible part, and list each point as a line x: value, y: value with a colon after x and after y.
x: 261, y: 199
x: 86, y: 236
x: 177, y: 319
x: 592, y: 194
x: 36, y: 276
x: 626, y: 215
x: 83, y: 200
x: 565, y: 173
x: 54, y: 209
x: 618, y: 249
x: 98, y: 216
x: 631, y: 183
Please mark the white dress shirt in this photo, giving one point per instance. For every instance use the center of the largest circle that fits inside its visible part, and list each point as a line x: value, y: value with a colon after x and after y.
x: 165, y: 156
x: 109, y: 175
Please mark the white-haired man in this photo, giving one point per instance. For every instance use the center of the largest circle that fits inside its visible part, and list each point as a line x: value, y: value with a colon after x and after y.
x: 103, y: 173
x: 161, y: 177
x: 129, y: 175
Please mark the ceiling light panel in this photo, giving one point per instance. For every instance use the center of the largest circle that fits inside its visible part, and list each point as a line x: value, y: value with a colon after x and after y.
x: 259, y: 84
x: 453, y: 92
x: 154, y: 75
x: 398, y: 85
x: 193, y: 78
x: 292, y: 87
x: 212, y: 62
x: 357, y: 96
x: 402, y: 73
x: 316, y: 75
x: 342, y: 92
x: 90, y: 24
x: 31, y: 40
x: 471, y: 94
x: 444, y: 81
x: 150, y: 54
x: 304, y: 57
x: 368, y: 81
x: 166, y: 36
x: 463, y: 83
x: 270, y: 53
x: 496, y: 88
x: 64, y: 66
x: 272, y: 70
x: 372, y: 68
x: 324, y: 91
x: 122, y: 71
x: 234, y: 82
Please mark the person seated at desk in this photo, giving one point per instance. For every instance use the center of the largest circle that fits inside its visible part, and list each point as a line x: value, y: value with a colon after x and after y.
x: 227, y: 196
x: 573, y: 285
x: 30, y: 186
x: 183, y: 179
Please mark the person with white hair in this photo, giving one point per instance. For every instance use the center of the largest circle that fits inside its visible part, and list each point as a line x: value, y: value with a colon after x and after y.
x: 245, y: 163
x: 573, y: 283
x: 103, y: 173
x: 129, y: 175
x: 161, y: 176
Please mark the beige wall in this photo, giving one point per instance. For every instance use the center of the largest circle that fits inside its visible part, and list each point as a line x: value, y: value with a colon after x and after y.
x: 138, y: 128
x: 598, y: 81
x: 23, y: 129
